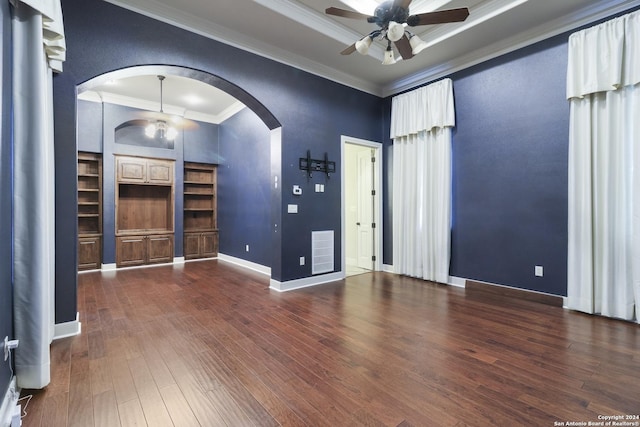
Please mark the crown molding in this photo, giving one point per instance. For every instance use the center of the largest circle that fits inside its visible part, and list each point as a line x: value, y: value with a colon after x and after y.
x: 319, y: 22
x: 197, y: 25
x: 550, y: 29
x: 477, y: 16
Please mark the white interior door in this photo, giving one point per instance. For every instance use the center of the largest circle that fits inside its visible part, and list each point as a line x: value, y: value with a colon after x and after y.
x: 365, y: 216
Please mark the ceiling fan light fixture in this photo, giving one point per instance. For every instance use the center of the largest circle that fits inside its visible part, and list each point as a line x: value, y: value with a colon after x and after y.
x: 362, y: 45
x: 389, y: 58
x: 171, y: 133
x: 150, y: 130
x: 395, y: 31
x: 417, y: 44
x: 160, y: 127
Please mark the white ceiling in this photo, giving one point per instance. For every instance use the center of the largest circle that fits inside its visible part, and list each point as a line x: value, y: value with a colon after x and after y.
x: 300, y: 34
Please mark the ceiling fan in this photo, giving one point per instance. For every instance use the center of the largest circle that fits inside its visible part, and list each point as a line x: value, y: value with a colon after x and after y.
x: 392, y: 16
x: 163, y: 125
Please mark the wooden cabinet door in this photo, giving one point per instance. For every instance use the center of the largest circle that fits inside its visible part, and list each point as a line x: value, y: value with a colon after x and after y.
x: 160, y: 248
x: 144, y: 171
x: 131, y: 169
x: 159, y: 172
x: 89, y: 253
x: 131, y: 250
x: 191, y: 245
x: 209, y: 244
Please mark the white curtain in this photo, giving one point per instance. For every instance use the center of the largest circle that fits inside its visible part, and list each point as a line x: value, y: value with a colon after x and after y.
x: 421, y: 123
x: 603, y: 86
x: 38, y: 48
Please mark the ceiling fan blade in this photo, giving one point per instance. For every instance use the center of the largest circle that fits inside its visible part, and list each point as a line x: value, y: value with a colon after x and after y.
x: 440, y: 17
x: 404, y: 47
x: 346, y: 13
x: 402, y: 3
x: 174, y: 120
x: 349, y: 50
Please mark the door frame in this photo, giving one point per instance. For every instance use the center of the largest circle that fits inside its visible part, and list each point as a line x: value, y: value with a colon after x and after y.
x: 377, y: 211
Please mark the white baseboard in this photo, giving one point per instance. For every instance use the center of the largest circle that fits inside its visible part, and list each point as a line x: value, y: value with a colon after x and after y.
x: 246, y: 264
x: 9, y: 401
x: 305, y: 282
x: 458, y: 282
x: 109, y: 267
x: 178, y: 260
x: 67, y: 329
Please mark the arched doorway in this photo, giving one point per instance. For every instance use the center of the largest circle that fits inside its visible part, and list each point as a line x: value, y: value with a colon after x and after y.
x: 241, y: 95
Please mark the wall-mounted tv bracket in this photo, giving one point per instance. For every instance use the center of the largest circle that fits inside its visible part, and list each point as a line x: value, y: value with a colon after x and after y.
x: 314, y: 165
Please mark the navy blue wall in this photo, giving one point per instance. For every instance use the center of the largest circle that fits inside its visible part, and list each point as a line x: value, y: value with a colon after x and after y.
x: 510, y: 154
x: 314, y: 113
x: 202, y: 144
x: 510, y: 148
x: 6, y: 194
x: 90, y: 126
x: 244, y: 194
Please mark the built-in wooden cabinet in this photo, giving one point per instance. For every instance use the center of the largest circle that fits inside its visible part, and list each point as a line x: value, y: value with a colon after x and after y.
x: 135, y: 250
x: 89, y: 211
x: 200, y: 211
x: 201, y: 245
x: 144, y: 210
x: 142, y: 170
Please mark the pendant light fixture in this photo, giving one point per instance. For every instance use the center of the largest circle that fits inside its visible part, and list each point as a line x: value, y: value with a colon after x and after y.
x: 160, y: 128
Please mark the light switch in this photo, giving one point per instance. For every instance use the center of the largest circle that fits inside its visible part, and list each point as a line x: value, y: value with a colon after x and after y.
x: 539, y: 271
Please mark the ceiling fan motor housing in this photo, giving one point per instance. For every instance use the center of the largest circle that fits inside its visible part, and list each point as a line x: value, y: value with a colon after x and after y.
x: 387, y: 12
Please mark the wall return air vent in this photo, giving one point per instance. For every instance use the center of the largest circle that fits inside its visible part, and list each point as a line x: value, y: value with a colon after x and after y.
x: 322, y: 252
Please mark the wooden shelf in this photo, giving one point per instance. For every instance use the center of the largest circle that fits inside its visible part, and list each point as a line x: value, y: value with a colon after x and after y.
x: 199, y: 209
x: 89, y: 211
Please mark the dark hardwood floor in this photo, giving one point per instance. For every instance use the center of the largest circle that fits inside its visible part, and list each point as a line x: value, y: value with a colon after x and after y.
x: 209, y: 344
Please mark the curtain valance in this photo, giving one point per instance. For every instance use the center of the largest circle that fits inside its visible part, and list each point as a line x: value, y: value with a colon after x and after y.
x: 612, y: 64
x: 52, y: 29
x: 423, y: 109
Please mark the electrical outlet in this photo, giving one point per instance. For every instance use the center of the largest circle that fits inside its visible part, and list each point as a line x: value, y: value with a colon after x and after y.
x: 301, y: 260
x: 539, y: 271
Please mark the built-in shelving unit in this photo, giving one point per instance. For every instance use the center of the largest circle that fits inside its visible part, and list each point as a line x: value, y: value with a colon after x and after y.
x: 200, y: 211
x: 89, y: 211
x: 144, y: 210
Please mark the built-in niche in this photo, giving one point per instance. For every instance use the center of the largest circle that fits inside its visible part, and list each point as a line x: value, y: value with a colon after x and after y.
x: 132, y: 132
